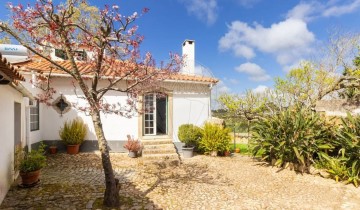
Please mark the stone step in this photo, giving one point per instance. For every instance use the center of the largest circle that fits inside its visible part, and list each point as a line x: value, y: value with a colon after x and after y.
x: 170, y: 156
x: 159, y: 151
x: 156, y: 141
x: 159, y: 146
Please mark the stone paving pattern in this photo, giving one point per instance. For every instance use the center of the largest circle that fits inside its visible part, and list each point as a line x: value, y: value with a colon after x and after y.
x: 238, y: 182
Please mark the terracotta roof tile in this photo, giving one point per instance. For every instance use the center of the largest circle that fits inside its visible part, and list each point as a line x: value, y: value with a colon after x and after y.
x: 41, y: 65
x: 10, y: 70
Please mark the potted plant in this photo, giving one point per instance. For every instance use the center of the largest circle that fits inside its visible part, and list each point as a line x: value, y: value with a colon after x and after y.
x: 133, y: 146
x: 190, y: 135
x: 53, y: 148
x: 73, y: 134
x: 30, y: 165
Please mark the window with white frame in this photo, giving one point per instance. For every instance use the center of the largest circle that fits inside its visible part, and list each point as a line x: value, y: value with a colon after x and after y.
x: 34, y: 116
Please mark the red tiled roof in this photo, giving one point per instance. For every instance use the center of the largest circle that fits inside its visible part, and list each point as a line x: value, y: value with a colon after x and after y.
x: 10, y: 70
x: 41, y: 65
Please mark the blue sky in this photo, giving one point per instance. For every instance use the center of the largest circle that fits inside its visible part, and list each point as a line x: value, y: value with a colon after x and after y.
x: 245, y: 43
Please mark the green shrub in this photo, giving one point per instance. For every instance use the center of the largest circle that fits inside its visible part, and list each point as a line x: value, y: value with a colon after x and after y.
x: 190, y: 134
x: 34, y: 160
x: 215, y: 138
x: 348, y: 142
x: 73, y: 132
x: 296, y: 136
x: 334, y: 166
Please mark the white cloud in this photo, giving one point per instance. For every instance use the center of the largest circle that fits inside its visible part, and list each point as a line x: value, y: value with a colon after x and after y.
x: 338, y: 10
x: 287, y: 40
x: 309, y: 10
x: 254, y: 71
x: 204, y: 10
x: 304, y: 11
x: 260, y: 89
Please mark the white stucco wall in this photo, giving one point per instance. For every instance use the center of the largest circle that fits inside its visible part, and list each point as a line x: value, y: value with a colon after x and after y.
x: 115, y: 127
x: 190, y: 108
x: 8, y: 97
x: 190, y: 105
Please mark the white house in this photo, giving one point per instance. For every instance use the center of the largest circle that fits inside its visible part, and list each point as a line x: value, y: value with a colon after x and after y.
x: 187, y: 100
x: 14, y: 104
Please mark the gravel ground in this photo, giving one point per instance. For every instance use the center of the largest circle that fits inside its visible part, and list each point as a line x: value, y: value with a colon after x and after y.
x: 237, y: 182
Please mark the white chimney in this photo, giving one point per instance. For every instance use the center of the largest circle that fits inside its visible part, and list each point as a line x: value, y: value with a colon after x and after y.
x: 188, y: 51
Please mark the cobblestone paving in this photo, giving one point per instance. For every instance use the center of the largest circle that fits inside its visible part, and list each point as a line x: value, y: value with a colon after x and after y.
x: 239, y: 182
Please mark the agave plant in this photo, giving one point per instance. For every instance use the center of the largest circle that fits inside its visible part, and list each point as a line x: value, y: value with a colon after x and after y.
x: 296, y: 136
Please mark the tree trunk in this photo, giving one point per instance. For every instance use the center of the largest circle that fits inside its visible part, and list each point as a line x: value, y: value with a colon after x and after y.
x: 111, y: 196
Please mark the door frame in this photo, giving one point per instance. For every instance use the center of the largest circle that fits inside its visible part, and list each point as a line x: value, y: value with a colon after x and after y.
x: 141, y: 133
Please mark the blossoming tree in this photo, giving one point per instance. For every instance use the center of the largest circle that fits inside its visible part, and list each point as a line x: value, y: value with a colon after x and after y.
x: 113, y: 43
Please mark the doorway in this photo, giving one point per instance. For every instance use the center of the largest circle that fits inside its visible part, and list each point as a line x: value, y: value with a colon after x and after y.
x: 156, y: 114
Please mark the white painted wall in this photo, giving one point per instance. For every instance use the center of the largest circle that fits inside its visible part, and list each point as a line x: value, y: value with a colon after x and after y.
x: 190, y: 101
x: 8, y: 96
x: 190, y: 108
x: 115, y: 126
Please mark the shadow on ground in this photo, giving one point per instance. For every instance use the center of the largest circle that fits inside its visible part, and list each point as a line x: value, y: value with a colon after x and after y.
x: 72, y: 182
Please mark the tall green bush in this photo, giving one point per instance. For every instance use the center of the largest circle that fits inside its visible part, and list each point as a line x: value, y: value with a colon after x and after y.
x: 295, y: 136
x: 73, y: 132
x: 215, y: 138
x: 190, y: 134
x: 348, y: 142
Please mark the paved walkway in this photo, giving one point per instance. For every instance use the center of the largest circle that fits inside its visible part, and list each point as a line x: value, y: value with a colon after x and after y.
x: 74, y: 182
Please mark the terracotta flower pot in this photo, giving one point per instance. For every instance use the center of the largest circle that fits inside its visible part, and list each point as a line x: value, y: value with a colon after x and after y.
x: 52, y: 149
x: 29, y: 178
x: 237, y: 150
x: 72, y: 149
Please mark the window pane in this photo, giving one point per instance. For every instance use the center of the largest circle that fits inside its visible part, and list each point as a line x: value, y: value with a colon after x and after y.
x: 34, y: 117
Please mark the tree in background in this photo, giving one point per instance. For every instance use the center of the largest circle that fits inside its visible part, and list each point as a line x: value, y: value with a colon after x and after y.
x: 352, y: 93
x: 334, y: 72
x: 111, y: 38
x: 249, y: 106
x: 305, y: 85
